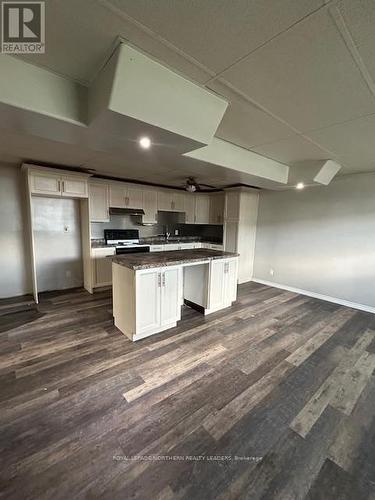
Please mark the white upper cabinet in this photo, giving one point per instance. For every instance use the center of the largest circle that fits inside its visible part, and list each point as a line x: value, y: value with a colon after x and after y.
x: 202, y: 209
x: 98, y: 202
x: 189, y: 204
x: 232, y: 205
x: 117, y: 195
x: 56, y: 184
x: 165, y: 200
x: 45, y: 183
x: 178, y: 201
x: 171, y: 201
x: 217, y: 208
x: 74, y: 187
x: 133, y: 197
x: 124, y: 196
x: 150, y: 206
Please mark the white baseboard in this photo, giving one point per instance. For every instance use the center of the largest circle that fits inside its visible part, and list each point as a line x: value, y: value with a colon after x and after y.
x: 335, y: 300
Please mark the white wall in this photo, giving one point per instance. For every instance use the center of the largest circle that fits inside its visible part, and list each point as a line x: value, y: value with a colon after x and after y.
x: 14, y: 264
x: 321, y: 239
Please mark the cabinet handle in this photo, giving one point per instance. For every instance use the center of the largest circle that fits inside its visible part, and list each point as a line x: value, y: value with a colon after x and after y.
x: 58, y: 186
x: 159, y: 280
x: 163, y: 279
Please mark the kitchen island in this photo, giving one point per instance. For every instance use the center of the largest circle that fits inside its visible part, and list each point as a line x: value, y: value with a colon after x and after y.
x: 150, y: 288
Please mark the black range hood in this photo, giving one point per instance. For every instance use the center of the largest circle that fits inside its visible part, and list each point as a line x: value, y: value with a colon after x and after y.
x: 126, y: 211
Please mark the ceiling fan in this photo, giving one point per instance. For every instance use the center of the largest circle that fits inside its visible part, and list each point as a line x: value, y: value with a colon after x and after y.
x: 192, y: 185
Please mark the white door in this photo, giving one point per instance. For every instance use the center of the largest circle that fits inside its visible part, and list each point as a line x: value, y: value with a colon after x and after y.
x: 170, y: 296
x: 232, y: 205
x: 164, y: 201
x: 98, y: 203
x: 73, y: 187
x: 202, y: 209
x: 189, y: 207
x: 134, y: 198
x: 178, y: 202
x: 217, y: 284
x: 171, y: 247
x: 117, y: 196
x: 45, y: 184
x: 230, y: 284
x: 216, y: 209
x: 231, y: 236
x: 157, y: 248
x: 148, y: 292
x: 150, y: 206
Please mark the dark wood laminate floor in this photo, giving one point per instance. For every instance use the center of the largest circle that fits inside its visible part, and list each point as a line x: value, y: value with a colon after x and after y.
x: 273, y: 398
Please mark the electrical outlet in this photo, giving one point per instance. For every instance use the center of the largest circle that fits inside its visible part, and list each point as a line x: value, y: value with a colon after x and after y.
x: 272, y: 272
x: 66, y: 229
x: 176, y: 232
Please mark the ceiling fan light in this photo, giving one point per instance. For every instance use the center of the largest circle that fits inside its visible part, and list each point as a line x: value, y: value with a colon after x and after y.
x: 191, y: 188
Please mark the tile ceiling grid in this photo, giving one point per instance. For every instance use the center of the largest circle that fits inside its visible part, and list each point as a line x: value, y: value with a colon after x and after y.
x: 328, y: 4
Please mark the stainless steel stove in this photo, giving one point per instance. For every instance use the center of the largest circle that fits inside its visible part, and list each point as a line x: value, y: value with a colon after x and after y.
x: 125, y: 241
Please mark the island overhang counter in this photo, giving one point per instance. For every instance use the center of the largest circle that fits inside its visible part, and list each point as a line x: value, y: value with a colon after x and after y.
x: 150, y: 288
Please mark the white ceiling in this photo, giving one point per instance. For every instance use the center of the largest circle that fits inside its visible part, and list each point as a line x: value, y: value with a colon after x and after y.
x: 298, y: 73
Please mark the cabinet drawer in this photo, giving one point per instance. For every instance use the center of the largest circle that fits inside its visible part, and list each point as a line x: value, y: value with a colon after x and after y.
x: 156, y: 248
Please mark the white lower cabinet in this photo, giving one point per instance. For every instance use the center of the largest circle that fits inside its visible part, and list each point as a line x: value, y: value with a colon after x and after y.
x: 102, y: 266
x: 148, y: 299
x: 222, y: 284
x: 157, y: 300
x: 156, y: 248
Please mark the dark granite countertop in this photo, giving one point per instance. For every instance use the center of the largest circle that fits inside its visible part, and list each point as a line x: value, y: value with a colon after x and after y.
x: 138, y: 261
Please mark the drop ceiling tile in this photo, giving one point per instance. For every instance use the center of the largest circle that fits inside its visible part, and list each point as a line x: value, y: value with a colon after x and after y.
x: 359, y: 17
x: 248, y: 126
x: 216, y: 33
x: 88, y: 31
x: 353, y: 143
x: 292, y: 151
x: 306, y: 76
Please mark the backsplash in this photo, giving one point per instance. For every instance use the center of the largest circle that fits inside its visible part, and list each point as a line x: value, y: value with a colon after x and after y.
x: 167, y: 222
x: 125, y: 222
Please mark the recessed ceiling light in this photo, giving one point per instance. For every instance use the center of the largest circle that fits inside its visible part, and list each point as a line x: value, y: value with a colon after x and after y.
x: 300, y: 185
x: 145, y: 142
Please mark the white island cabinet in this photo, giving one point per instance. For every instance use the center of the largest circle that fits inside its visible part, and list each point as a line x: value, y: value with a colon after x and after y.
x: 148, y: 300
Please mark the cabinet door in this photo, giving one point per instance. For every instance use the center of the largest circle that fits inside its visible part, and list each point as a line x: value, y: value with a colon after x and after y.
x: 74, y: 187
x: 103, y: 267
x: 98, y: 203
x: 164, y: 201
x: 232, y: 205
x: 45, y: 184
x: 189, y: 208
x: 133, y: 198
x: 170, y: 296
x: 150, y: 206
x: 170, y: 247
x: 117, y: 196
x: 157, y: 248
x: 231, y: 236
x: 178, y: 201
x: 202, y: 209
x: 217, y: 284
x: 148, y: 292
x: 216, y: 209
x: 230, y: 285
